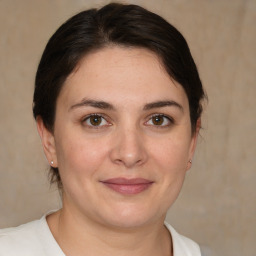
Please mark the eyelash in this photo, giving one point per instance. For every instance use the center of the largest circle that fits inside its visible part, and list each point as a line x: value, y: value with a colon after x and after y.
x: 102, y: 117
x: 166, y: 119
x: 86, y: 118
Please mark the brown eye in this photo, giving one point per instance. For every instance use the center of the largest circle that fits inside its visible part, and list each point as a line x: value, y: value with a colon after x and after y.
x: 95, y: 120
x: 160, y: 120
x: 157, y: 120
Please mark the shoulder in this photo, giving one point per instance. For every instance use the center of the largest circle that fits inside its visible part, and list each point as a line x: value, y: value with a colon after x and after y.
x: 183, y: 246
x: 19, y: 240
x: 33, y: 238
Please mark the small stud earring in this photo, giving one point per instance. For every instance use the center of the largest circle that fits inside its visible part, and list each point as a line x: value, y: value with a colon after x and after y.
x: 51, y: 162
x: 190, y: 161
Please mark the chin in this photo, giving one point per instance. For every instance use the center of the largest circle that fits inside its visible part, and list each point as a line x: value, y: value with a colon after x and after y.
x: 128, y: 223
x: 129, y: 217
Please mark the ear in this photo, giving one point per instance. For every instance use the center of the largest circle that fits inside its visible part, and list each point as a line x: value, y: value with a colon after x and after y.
x: 48, y: 142
x: 193, y: 143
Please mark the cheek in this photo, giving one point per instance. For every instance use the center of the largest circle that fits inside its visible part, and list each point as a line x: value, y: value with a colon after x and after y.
x: 78, y: 156
x: 172, y: 153
x: 169, y: 159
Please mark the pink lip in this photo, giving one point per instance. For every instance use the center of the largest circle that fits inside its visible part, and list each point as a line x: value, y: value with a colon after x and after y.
x: 128, y: 186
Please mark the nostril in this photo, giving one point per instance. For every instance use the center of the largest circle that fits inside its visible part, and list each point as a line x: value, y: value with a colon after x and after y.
x: 128, y: 159
x: 128, y: 162
x: 128, y: 148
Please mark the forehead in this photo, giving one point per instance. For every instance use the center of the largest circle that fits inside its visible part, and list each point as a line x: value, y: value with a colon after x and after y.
x: 121, y: 73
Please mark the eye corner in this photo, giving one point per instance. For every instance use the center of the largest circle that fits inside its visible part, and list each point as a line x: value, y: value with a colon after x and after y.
x: 159, y: 120
x: 95, y: 121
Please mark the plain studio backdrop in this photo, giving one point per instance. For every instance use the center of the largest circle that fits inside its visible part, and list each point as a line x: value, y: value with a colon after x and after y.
x: 217, y: 206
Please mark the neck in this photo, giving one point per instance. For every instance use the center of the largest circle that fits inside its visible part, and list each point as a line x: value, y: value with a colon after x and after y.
x: 81, y: 236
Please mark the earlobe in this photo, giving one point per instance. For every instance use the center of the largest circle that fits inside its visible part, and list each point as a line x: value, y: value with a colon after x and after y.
x: 48, y: 142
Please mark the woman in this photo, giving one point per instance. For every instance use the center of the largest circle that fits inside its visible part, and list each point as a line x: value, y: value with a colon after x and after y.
x: 117, y: 103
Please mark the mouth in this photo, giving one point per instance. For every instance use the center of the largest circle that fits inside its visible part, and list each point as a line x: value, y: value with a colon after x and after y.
x: 128, y: 186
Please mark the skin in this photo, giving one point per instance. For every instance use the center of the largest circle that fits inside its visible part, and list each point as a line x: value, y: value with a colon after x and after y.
x: 126, y: 142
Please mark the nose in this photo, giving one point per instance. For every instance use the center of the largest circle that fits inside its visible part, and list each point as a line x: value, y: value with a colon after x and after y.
x: 128, y: 148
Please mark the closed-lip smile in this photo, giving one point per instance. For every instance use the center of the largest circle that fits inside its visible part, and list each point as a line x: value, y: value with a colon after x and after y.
x: 128, y: 186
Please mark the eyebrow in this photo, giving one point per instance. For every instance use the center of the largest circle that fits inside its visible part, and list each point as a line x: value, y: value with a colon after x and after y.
x: 93, y: 103
x: 161, y: 104
x: 108, y: 106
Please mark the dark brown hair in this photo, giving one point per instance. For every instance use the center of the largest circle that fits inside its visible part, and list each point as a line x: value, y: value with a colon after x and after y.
x: 113, y: 24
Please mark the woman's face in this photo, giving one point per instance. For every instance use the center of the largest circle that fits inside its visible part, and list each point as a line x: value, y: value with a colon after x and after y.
x: 122, y: 138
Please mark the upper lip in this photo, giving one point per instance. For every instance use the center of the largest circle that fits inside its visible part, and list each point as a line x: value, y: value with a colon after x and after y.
x: 127, y: 181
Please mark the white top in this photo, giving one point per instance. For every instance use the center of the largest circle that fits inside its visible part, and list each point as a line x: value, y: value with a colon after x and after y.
x: 36, y: 239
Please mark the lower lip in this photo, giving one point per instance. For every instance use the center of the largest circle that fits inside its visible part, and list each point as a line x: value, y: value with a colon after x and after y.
x: 128, y: 189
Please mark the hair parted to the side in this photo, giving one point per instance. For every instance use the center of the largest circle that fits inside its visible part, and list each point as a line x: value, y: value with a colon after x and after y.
x: 113, y: 24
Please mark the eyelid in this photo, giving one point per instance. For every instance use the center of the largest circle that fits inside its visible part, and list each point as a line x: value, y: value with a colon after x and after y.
x: 170, y: 120
x: 103, y: 116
